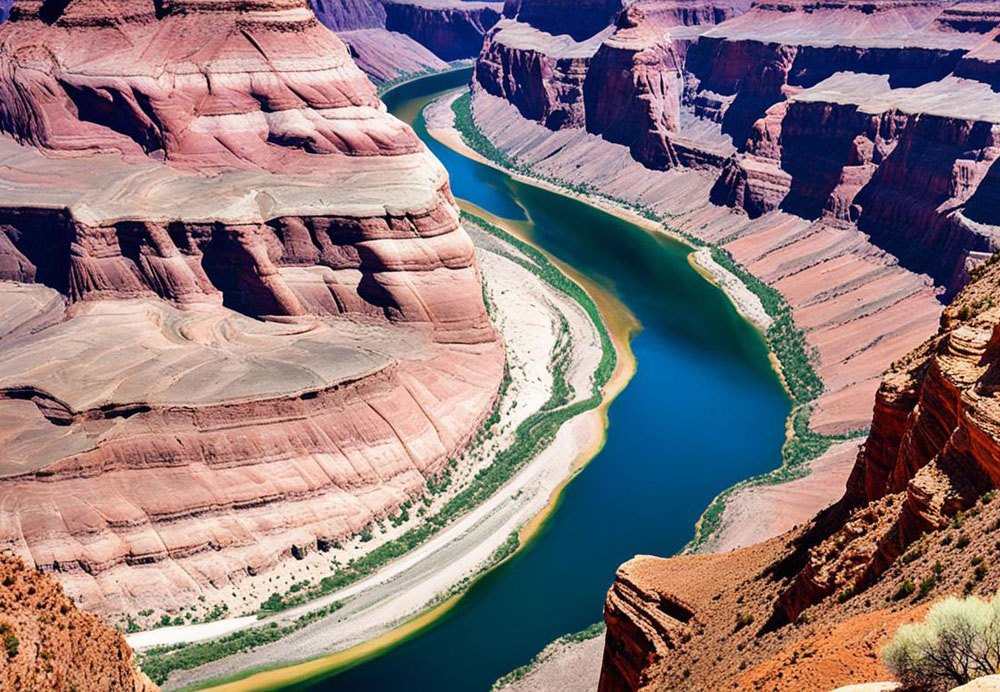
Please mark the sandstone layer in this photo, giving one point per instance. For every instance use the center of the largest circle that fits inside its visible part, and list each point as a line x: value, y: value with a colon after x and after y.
x: 810, y: 609
x: 240, y: 317
x: 50, y: 645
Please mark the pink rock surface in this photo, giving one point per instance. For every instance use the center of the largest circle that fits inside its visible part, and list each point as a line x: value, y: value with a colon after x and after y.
x: 170, y: 175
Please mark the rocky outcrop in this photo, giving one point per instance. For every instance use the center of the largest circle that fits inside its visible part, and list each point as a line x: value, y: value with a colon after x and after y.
x: 919, y: 504
x: 933, y: 451
x: 158, y: 195
x: 349, y: 15
x: 518, y: 64
x: 579, y: 20
x: 50, y: 645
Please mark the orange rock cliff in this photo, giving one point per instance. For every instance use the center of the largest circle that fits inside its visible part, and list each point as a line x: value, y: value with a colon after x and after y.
x: 47, y: 644
x: 812, y: 608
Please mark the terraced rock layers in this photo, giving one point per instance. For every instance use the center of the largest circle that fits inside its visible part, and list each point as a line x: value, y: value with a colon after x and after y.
x: 240, y: 318
x: 842, y: 153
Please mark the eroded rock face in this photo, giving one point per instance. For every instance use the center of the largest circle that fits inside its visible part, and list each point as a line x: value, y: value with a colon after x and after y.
x: 413, y: 35
x: 933, y: 452
x: 160, y: 193
x: 349, y: 15
x: 451, y: 30
x: 55, y: 645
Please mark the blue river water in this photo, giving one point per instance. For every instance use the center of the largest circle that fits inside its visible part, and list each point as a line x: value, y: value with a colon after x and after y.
x: 703, y: 411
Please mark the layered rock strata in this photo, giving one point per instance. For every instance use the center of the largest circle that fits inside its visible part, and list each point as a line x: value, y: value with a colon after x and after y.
x: 451, y: 29
x: 158, y: 195
x: 918, y: 509
x: 900, y: 94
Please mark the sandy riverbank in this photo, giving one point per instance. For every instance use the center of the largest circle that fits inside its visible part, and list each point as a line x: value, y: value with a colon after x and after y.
x: 391, y: 605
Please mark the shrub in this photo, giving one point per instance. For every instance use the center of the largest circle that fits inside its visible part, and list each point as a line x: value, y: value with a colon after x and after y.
x: 962, y: 541
x: 10, y: 641
x: 958, y: 641
x: 926, y: 586
x: 904, y: 590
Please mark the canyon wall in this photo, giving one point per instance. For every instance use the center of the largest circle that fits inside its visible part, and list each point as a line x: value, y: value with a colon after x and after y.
x: 390, y: 38
x: 899, y: 94
x: 811, y: 609
x: 451, y: 30
x: 241, y: 320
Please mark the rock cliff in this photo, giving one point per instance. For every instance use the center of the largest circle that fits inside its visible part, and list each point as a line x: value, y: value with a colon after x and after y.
x: 918, y: 509
x: 50, y: 645
x: 451, y: 29
x: 390, y: 38
x: 159, y: 194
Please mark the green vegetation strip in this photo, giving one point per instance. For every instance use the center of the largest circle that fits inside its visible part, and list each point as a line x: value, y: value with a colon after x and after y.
x: 595, y: 630
x: 402, y: 77
x: 788, y: 343
x: 532, y: 435
x: 160, y: 661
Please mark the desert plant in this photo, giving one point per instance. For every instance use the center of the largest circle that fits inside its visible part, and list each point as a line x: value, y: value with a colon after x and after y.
x: 958, y: 641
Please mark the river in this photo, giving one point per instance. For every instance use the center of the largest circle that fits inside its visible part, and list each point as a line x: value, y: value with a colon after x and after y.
x: 703, y: 411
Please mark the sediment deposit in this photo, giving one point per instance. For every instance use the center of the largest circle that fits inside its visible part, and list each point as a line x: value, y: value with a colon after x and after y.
x: 241, y: 319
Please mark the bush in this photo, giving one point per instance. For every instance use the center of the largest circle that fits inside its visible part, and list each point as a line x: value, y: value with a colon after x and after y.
x: 957, y: 642
x: 904, y: 590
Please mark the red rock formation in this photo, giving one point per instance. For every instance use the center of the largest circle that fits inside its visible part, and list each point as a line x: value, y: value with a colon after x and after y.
x: 579, y: 19
x: 50, y: 645
x: 349, y: 15
x: 393, y: 37
x: 152, y: 180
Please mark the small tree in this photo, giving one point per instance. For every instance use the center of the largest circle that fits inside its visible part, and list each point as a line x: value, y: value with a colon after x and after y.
x: 958, y: 641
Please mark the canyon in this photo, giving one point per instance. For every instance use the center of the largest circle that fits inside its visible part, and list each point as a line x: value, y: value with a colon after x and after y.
x: 392, y: 38
x: 242, y: 325
x: 241, y: 319
x: 844, y: 155
x: 789, y: 136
